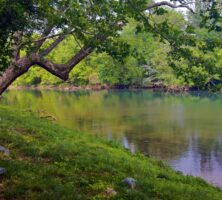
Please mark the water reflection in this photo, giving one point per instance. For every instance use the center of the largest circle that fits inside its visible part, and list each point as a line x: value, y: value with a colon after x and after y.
x: 186, y: 130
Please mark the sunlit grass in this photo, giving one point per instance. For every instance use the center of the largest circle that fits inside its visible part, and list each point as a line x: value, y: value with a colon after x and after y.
x: 48, y: 161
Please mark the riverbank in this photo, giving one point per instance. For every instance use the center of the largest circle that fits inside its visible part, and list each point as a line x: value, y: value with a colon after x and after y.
x: 48, y: 161
x: 72, y: 88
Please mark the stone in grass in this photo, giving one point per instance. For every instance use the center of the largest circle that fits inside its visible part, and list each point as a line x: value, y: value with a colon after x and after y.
x: 110, y: 192
x: 4, y: 150
x: 2, y: 171
x: 130, y: 182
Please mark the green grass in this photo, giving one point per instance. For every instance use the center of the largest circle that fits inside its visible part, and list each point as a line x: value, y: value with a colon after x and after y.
x: 48, y: 161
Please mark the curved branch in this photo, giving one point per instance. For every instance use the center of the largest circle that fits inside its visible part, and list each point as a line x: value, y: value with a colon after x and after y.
x: 52, y: 46
x: 166, y: 3
x: 42, y: 39
x: 23, y: 65
x: 53, y: 36
x: 62, y: 70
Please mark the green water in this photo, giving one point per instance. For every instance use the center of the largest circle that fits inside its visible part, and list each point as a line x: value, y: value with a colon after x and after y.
x: 186, y: 130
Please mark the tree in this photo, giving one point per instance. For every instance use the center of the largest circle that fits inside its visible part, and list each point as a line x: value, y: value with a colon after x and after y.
x: 200, y: 67
x: 36, y: 27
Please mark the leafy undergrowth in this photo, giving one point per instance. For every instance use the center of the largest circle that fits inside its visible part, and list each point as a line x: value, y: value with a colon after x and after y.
x: 48, y: 161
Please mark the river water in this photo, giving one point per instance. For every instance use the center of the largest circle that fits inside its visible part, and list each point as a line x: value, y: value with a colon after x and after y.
x: 185, y: 130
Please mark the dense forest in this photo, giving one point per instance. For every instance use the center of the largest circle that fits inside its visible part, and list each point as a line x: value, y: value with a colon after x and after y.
x: 152, y: 58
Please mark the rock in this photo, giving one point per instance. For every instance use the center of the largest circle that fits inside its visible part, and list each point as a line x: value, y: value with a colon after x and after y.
x: 110, y: 192
x: 130, y: 182
x: 4, y: 150
x: 2, y: 171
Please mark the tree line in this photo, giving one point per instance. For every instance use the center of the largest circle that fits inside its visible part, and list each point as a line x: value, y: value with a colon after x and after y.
x: 118, y: 43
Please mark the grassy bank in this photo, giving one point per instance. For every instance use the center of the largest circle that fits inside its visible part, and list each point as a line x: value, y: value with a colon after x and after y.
x: 48, y: 161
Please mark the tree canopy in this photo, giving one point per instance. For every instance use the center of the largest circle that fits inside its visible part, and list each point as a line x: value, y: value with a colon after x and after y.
x: 31, y: 30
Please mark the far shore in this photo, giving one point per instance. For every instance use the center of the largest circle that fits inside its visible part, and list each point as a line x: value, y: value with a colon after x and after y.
x: 71, y: 88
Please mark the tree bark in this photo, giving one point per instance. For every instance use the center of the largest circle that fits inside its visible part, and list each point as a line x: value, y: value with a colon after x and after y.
x: 12, y: 73
x: 21, y: 66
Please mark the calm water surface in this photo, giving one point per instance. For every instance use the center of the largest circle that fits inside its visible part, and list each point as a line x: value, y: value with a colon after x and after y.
x: 186, y: 130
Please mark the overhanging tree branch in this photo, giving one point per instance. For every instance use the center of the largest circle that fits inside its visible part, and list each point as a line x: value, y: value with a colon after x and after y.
x: 43, y: 37
x: 62, y: 70
x: 168, y: 4
x: 53, y: 36
x: 52, y: 46
x: 76, y: 18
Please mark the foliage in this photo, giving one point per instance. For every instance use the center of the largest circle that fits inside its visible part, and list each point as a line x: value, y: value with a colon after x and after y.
x: 86, y: 20
x: 12, y: 15
x: 101, y: 68
x: 159, y: 46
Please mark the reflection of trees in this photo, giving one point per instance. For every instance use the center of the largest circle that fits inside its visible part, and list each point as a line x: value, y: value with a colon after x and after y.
x: 218, y: 149
x: 203, y: 156
x: 208, y: 151
x: 211, y: 152
x: 204, y: 149
x: 157, y: 142
x: 37, y: 93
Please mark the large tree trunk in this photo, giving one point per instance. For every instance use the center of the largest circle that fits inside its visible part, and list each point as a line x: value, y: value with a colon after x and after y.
x: 6, y: 79
x: 10, y: 75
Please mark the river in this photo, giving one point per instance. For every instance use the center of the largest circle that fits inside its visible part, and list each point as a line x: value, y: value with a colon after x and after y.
x: 184, y: 129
